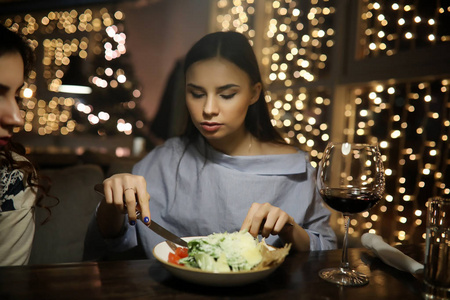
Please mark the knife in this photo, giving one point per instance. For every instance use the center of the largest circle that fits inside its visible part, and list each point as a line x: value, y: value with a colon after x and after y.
x: 158, y: 229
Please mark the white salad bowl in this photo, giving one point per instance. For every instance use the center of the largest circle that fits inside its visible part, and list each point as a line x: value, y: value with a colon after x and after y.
x: 198, y: 276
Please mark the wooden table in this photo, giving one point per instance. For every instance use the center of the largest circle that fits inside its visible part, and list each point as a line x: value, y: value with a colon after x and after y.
x: 296, y: 278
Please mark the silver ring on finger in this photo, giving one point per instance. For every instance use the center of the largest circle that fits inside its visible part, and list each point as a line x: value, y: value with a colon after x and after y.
x: 129, y: 189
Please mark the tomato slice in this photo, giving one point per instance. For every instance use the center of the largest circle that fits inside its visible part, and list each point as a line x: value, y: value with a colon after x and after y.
x: 182, y: 252
x: 173, y: 258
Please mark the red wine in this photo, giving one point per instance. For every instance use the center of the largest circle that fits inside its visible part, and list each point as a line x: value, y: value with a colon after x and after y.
x: 349, y: 201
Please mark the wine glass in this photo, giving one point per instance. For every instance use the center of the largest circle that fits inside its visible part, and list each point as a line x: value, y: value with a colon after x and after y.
x: 351, y: 180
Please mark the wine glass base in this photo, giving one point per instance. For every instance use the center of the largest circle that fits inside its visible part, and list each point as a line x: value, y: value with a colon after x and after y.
x: 346, y: 277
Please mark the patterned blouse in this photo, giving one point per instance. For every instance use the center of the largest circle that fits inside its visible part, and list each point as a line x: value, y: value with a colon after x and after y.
x: 17, y: 202
x: 11, y: 184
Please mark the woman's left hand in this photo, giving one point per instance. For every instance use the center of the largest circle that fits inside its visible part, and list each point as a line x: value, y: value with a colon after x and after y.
x: 266, y: 219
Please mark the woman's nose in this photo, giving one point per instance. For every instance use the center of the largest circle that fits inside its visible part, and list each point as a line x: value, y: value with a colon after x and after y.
x: 11, y: 115
x: 211, y: 107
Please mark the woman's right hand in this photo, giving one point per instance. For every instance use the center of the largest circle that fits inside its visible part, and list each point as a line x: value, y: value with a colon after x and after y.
x: 128, y: 192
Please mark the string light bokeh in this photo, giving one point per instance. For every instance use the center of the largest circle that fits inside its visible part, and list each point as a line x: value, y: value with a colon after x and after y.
x: 297, y: 41
x: 300, y: 39
x: 409, y: 119
x: 96, y: 36
x: 390, y: 27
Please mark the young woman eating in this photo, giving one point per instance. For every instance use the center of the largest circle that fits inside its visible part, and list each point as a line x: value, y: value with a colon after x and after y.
x: 230, y: 170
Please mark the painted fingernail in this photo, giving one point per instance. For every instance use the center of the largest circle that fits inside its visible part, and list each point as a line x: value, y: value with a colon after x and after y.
x: 132, y: 222
x: 146, y: 219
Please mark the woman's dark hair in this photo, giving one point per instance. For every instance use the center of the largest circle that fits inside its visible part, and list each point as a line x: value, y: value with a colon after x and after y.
x: 235, y: 48
x: 11, y: 42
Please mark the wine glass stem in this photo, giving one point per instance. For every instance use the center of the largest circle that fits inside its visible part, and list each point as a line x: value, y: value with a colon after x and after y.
x: 344, y: 260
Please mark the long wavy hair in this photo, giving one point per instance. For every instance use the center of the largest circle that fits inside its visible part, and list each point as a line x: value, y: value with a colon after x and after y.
x: 12, y: 42
x: 235, y: 48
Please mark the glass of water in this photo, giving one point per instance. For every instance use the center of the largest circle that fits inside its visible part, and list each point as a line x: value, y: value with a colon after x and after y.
x: 437, y: 251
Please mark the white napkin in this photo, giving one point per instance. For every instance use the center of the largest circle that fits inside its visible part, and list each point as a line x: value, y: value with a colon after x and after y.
x: 390, y: 255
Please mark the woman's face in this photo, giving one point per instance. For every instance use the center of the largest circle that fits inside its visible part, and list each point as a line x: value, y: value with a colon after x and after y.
x: 11, y: 81
x: 218, y: 94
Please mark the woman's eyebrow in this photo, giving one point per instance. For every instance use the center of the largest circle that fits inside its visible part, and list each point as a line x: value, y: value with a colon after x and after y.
x: 197, y: 87
x: 4, y: 87
x: 219, y: 89
x: 226, y: 87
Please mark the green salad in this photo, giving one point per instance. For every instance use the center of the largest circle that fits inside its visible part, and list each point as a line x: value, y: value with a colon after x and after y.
x: 224, y: 252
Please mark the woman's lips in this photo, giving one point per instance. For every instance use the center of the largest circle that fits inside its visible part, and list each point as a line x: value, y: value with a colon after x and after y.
x: 210, y: 127
x: 4, y: 141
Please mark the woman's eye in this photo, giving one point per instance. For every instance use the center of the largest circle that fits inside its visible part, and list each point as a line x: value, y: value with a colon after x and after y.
x: 196, y: 95
x: 229, y: 96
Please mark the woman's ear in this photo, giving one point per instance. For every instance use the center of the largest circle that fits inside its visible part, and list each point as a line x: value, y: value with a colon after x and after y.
x: 257, y: 87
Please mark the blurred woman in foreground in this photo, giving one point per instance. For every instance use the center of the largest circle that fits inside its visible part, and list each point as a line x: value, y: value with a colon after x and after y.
x: 18, y: 179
